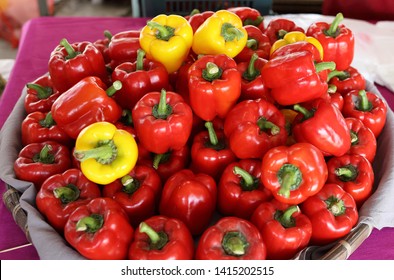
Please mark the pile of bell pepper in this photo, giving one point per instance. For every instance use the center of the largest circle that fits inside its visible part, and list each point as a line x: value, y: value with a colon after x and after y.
x: 211, y: 136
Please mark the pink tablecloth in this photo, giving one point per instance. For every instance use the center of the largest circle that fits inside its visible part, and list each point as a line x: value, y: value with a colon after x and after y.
x: 40, y: 36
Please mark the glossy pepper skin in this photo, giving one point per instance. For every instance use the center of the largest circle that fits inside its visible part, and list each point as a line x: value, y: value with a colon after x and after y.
x: 214, y: 86
x: 367, y: 107
x: 240, y: 189
x: 285, y: 226
x: 210, y: 152
x: 138, y: 192
x: 139, y: 78
x: 106, y: 153
x: 167, y: 39
x: 38, y: 161
x: 249, y: 16
x: 362, y: 138
x: 40, y: 95
x: 331, y: 137
x: 123, y: 47
x: 298, y: 46
x: 163, y: 121
x: 278, y: 28
x: 294, y: 173
x: 337, y: 41
x: 69, y: 63
x: 40, y: 127
x: 347, y: 80
x: 221, y: 33
x: 354, y: 174
x: 294, y: 78
x: 231, y: 238
x: 332, y: 212
x: 253, y: 127
x: 100, y: 230
x: 190, y: 198
x: 257, y: 43
x: 62, y: 193
x: 162, y: 238
x: 198, y: 18
x: 85, y: 103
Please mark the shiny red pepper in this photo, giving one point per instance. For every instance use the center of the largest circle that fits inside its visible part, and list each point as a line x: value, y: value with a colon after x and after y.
x: 249, y: 16
x: 103, y: 44
x: 196, y: 19
x: 367, y: 107
x: 334, y: 97
x: 354, y: 174
x: 139, y: 78
x: 347, y: 80
x: 62, y: 193
x: 190, y: 198
x: 214, y: 86
x: 38, y: 161
x: 294, y: 173
x: 362, y: 138
x: 332, y: 212
x: 123, y: 47
x: 100, y: 230
x: 253, y: 127
x: 40, y: 127
x: 85, y: 103
x: 210, y: 152
x: 231, y: 238
x: 337, y: 41
x: 69, y: 63
x: 40, y: 95
x: 312, y: 126
x: 277, y: 28
x: 257, y: 43
x: 240, y: 189
x: 297, y: 47
x: 285, y: 226
x: 162, y: 238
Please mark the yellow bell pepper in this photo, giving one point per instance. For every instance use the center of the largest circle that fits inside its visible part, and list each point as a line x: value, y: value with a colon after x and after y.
x: 296, y: 36
x: 106, y: 152
x: 221, y: 33
x: 167, y: 39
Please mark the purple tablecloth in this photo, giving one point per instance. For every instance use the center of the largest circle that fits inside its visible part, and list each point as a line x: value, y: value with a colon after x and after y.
x: 40, y: 36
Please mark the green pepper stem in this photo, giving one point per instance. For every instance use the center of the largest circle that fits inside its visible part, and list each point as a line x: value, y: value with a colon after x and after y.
x: 45, y: 156
x: 42, y: 92
x: 117, y: 85
x: 353, y: 138
x: 212, y: 134
x: 130, y: 185
x: 157, y: 239
x: 156, y: 160
x: 252, y: 44
x: 332, y: 89
x: 71, y: 53
x: 126, y: 117
x: 341, y: 75
x: 333, y: 30
x: 108, y: 34
x: 48, y: 121
x: 194, y: 12
x: 90, y: 223
x: 140, y: 60
x: 281, y: 33
x: 234, y: 243
x: 251, y: 72
x: 105, y: 152
x: 363, y: 103
x: 290, y: 178
x: 307, y: 114
x: 335, y: 205
x: 163, y: 32
x: 347, y: 173
x: 285, y: 217
x: 248, y: 182
x: 265, y: 125
x: 321, y: 66
x: 211, y: 72
x: 230, y: 33
x: 67, y: 194
x: 255, y: 22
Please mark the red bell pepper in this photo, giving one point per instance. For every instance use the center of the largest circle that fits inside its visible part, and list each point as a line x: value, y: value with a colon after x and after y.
x: 294, y: 173
x: 285, y: 226
x: 180, y: 80
x: 337, y: 41
x: 123, y: 47
x: 85, y: 103
x: 332, y: 212
x: 100, y: 230
x: 138, y: 192
x: 190, y: 198
x: 252, y: 85
x: 240, y: 189
x: 38, y: 161
x: 334, y: 97
x: 297, y: 47
x: 347, y: 80
x: 362, y: 138
x: 197, y: 18
x: 277, y: 28
x: 214, y: 86
x: 312, y: 126
x: 61, y: 194
x: 162, y: 238
x: 231, y: 238
x: 249, y: 16
x: 40, y: 127
x: 210, y: 152
x: 354, y: 174
x: 69, y: 63
x: 40, y: 95
x: 295, y: 78
x: 103, y: 44
x: 253, y: 127
x: 367, y: 107
x: 257, y: 43
x: 163, y: 121
x: 139, y: 78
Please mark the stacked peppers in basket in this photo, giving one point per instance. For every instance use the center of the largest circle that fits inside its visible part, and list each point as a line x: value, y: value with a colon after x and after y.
x: 255, y: 140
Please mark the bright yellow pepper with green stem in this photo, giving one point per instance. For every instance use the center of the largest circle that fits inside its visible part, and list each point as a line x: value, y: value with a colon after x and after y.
x: 167, y: 39
x: 106, y: 152
x: 221, y: 33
